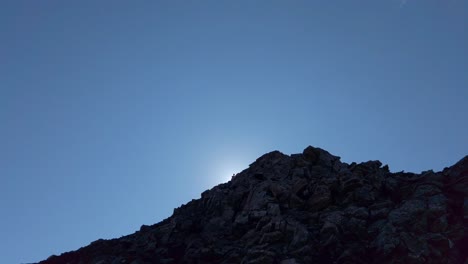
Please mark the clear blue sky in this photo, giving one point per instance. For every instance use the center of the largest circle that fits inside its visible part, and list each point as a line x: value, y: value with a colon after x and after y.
x: 115, y: 112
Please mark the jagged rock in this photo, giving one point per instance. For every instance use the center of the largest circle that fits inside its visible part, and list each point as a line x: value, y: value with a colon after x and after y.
x: 355, y: 226
x: 426, y: 190
x: 271, y: 237
x: 380, y: 210
x: 350, y: 183
x: 387, y: 240
x: 458, y: 177
x: 465, y: 209
x: 439, y: 224
x: 417, y: 247
x: 289, y: 261
x: 320, y: 199
x: 319, y: 156
x: 357, y: 212
x: 408, y: 212
x: 437, y: 205
x: 273, y: 209
x: 300, y: 237
x: 306, y: 208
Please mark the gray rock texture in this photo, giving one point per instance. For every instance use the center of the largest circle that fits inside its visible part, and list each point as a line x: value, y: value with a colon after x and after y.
x: 306, y: 208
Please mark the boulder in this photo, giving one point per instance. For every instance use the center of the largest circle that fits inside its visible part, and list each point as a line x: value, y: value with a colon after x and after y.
x: 409, y: 211
x: 320, y: 198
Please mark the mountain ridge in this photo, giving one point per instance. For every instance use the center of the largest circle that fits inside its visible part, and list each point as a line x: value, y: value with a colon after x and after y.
x: 306, y: 208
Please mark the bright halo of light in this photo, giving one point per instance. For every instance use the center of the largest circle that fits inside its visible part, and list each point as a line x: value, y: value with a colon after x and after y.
x: 227, y: 173
x: 226, y: 169
x: 228, y: 160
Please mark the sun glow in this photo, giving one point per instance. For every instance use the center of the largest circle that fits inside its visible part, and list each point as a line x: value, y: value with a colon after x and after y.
x: 228, y: 160
x: 227, y: 171
x: 227, y: 168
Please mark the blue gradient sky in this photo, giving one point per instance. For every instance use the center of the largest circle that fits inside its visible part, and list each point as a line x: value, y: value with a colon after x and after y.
x: 115, y: 112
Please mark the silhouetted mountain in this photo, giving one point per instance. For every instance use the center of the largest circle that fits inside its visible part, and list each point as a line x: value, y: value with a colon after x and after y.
x: 306, y: 208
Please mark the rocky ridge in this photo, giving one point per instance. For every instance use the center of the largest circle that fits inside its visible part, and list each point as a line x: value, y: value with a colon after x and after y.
x: 306, y: 208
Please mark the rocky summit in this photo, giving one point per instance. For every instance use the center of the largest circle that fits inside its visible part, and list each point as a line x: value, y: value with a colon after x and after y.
x: 306, y: 208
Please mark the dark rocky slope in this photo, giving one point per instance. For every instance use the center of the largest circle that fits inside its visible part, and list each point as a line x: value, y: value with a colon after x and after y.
x: 307, y: 208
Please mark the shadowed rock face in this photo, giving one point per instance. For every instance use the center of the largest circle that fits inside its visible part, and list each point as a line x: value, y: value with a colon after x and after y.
x: 306, y: 208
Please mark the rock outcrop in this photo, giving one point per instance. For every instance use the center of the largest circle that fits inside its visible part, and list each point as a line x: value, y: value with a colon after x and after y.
x: 306, y: 208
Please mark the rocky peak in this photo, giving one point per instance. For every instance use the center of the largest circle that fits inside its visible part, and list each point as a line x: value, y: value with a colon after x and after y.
x: 306, y: 208
x: 460, y: 168
x: 457, y: 179
x: 318, y: 156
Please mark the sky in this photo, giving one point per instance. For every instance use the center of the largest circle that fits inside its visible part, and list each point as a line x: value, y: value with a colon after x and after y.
x: 112, y: 113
